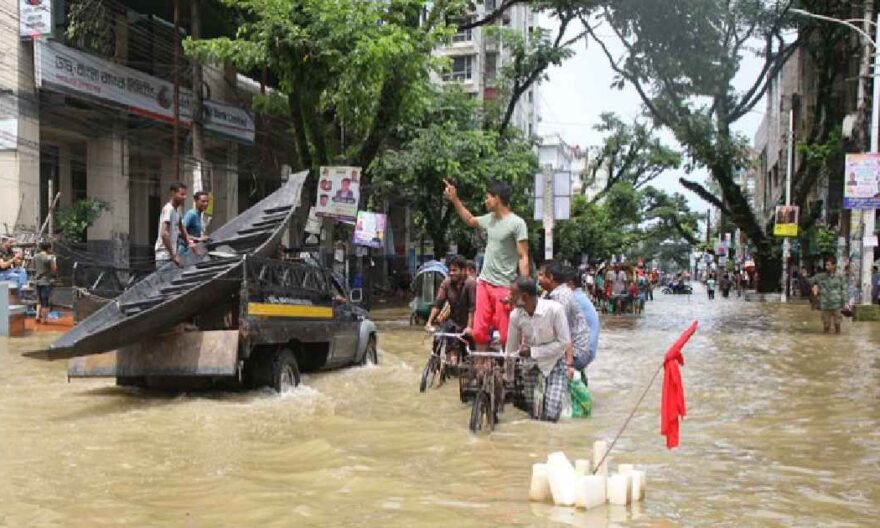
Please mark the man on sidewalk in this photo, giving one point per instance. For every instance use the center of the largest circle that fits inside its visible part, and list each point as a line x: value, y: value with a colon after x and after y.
x: 830, y: 288
x: 170, y: 228
x: 507, y: 253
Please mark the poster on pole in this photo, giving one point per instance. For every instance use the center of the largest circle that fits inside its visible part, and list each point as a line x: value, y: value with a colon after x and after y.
x: 862, y: 181
x: 338, y: 193
x: 787, y: 217
x: 34, y: 18
x: 369, y: 230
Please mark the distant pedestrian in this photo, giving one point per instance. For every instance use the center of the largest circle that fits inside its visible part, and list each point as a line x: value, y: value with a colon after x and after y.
x: 830, y: 288
x: 45, y: 269
x: 710, y: 286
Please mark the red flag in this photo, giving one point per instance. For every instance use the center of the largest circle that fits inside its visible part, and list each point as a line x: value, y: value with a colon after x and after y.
x: 672, y: 407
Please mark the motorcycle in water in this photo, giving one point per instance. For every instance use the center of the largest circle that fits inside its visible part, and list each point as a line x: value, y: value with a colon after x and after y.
x: 678, y: 288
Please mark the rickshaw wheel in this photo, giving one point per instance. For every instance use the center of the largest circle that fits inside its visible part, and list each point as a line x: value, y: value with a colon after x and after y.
x: 429, y: 372
x: 482, y: 416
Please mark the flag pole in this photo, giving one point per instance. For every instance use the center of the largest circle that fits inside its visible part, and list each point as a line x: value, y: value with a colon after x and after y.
x: 685, y: 336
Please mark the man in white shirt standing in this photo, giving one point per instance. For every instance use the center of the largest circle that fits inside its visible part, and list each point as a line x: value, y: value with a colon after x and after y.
x: 170, y: 228
x: 539, y: 331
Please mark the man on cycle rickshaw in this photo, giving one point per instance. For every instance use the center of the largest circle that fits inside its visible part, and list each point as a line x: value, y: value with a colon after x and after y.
x: 454, y: 308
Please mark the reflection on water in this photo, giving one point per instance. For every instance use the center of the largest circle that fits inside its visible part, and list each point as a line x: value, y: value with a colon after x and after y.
x: 782, y: 431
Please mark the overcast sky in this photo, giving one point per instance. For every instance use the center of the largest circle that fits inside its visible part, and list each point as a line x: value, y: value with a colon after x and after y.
x: 578, y: 91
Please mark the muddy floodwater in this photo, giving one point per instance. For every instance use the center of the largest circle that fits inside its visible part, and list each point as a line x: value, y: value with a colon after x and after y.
x: 783, y: 430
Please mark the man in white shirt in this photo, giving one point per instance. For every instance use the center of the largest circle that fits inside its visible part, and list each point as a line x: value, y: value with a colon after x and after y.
x: 170, y: 228
x: 539, y: 331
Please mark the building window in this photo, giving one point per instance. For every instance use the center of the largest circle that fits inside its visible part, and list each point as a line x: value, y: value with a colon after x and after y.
x: 463, y: 36
x: 491, y: 66
x: 491, y: 5
x: 462, y: 69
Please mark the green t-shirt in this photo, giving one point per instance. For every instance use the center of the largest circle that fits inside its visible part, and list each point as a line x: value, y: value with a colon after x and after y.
x: 501, y: 261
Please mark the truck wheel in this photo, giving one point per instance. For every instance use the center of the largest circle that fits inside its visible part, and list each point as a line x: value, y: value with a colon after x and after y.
x: 285, y: 371
x: 371, y: 357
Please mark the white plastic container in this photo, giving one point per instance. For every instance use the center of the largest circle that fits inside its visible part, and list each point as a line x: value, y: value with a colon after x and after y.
x: 600, y: 447
x: 639, y: 479
x: 563, y: 479
x: 583, y: 467
x: 591, y: 491
x: 620, y: 489
x: 539, y: 490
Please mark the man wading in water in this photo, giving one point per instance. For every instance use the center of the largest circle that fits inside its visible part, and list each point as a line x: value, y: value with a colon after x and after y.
x: 507, y: 251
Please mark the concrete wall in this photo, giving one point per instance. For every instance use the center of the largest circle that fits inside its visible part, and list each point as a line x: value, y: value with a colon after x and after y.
x: 19, y: 167
x: 108, y: 175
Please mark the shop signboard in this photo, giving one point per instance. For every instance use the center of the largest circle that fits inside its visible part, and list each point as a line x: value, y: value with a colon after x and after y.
x: 369, y: 230
x: 786, y: 221
x: 34, y: 18
x: 67, y: 70
x: 862, y: 181
x: 338, y: 193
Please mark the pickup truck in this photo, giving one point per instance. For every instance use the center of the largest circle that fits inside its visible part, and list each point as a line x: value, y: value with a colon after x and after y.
x: 285, y: 318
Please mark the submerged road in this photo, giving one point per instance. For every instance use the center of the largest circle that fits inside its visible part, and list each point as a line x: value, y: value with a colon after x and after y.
x: 783, y: 430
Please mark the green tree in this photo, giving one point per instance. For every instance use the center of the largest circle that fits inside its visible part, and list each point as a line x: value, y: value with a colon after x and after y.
x: 682, y: 57
x: 447, y: 143
x: 632, y: 153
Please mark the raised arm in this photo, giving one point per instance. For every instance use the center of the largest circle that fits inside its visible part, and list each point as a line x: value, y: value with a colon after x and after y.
x: 466, y: 216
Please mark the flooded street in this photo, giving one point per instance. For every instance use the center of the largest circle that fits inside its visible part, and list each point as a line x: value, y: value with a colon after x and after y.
x: 783, y: 430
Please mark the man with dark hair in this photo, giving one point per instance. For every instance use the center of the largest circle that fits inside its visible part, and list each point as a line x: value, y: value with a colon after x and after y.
x: 345, y: 194
x: 590, y: 316
x: 830, y: 288
x: 471, y: 269
x: 192, y: 222
x: 456, y: 300
x: 460, y: 293
x: 507, y: 253
x: 539, y: 331
x: 170, y: 228
x: 553, y: 279
x: 45, y: 268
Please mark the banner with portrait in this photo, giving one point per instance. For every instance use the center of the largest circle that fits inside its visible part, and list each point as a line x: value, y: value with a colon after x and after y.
x: 861, y: 186
x: 338, y: 193
x: 786, y: 224
x: 369, y: 230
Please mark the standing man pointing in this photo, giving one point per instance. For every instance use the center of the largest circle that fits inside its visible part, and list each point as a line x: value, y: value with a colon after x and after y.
x: 507, y: 255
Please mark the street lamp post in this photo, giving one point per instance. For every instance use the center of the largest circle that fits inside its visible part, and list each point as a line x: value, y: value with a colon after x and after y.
x: 868, y: 215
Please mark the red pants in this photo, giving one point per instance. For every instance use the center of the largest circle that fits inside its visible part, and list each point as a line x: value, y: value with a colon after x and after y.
x: 490, y: 313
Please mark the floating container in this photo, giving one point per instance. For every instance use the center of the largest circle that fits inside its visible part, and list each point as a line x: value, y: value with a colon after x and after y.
x: 563, y: 479
x: 539, y: 490
x: 620, y: 489
x: 591, y: 491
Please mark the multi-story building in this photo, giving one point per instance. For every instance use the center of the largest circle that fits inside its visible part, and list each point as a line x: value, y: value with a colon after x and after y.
x: 478, y: 55
x: 99, y: 123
